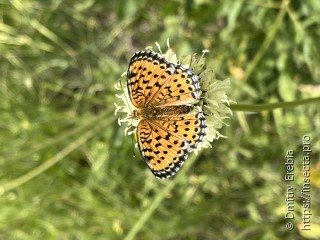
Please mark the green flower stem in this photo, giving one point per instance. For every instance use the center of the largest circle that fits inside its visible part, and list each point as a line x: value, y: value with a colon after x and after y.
x: 272, y: 106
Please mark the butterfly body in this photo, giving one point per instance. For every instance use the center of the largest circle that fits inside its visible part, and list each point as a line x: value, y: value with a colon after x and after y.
x: 154, y: 112
x: 170, y: 125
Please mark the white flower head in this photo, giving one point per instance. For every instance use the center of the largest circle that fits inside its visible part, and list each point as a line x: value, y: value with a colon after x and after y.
x: 214, y: 102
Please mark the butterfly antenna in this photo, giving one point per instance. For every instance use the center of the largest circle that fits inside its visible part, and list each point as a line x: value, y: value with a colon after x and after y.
x: 191, y: 62
x: 133, y: 147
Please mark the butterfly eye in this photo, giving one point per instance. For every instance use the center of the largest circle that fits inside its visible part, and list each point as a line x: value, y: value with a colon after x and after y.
x: 134, y: 114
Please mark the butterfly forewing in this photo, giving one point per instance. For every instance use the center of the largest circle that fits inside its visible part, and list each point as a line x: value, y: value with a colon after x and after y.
x: 147, y: 73
x: 183, y: 88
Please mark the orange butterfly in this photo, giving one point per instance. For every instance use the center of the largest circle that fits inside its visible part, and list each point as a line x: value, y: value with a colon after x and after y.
x: 170, y: 125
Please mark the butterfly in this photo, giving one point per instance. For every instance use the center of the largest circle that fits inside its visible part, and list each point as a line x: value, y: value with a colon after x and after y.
x: 170, y: 125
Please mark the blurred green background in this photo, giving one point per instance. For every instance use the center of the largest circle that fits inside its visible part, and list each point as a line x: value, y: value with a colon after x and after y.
x: 66, y: 167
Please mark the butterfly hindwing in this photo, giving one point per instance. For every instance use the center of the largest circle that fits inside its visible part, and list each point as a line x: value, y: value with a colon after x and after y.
x: 163, y: 152
x: 191, y: 127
